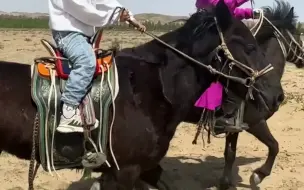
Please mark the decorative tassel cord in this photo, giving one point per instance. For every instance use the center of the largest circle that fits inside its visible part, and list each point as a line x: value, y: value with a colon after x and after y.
x: 33, y: 168
x: 206, y: 122
x: 50, y: 158
x: 113, y: 117
x: 101, y: 111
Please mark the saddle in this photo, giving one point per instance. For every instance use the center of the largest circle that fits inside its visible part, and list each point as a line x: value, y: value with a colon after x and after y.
x: 57, y: 150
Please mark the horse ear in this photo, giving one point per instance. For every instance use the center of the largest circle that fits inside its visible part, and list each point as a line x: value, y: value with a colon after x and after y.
x: 223, y: 15
x: 290, y: 14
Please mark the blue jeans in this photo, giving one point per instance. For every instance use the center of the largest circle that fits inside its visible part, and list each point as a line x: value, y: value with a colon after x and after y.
x: 76, y: 48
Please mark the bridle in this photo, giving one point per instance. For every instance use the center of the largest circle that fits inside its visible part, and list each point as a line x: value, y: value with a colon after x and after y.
x: 281, y: 39
x: 252, y: 74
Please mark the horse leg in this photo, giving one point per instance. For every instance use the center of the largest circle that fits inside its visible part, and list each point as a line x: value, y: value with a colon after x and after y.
x: 158, y: 178
x: 124, y: 179
x: 229, y: 154
x: 87, y: 174
x: 261, y: 131
x: 152, y: 177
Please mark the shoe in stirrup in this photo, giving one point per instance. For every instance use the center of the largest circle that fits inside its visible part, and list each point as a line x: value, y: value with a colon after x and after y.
x: 73, y: 124
x: 229, y: 125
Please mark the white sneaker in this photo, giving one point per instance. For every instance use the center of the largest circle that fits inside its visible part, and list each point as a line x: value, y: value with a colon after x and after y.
x: 70, y: 121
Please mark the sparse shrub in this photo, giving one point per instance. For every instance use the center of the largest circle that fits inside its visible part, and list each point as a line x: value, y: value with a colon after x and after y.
x: 115, y: 44
x: 298, y: 98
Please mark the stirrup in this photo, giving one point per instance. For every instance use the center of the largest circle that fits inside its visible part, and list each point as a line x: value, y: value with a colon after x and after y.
x: 91, y: 159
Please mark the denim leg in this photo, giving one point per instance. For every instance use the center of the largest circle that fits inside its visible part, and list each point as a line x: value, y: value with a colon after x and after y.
x: 76, y: 48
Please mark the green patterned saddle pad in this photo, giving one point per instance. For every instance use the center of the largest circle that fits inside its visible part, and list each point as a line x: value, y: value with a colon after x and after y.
x: 65, y: 150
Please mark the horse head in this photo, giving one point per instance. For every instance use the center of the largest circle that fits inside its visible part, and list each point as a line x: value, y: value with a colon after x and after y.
x: 225, y: 45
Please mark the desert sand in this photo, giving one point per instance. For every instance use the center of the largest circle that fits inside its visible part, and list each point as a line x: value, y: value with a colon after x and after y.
x: 192, y: 167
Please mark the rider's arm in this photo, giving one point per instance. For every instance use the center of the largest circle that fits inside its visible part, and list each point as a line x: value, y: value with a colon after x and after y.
x: 84, y: 11
x: 111, y: 5
x: 243, y: 13
x: 240, y: 2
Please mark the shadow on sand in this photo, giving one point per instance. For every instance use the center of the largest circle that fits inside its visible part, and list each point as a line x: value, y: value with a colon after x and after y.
x: 81, y: 185
x: 196, y: 174
x: 191, y: 173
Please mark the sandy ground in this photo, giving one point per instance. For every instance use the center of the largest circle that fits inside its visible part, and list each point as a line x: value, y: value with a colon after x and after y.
x: 192, y: 167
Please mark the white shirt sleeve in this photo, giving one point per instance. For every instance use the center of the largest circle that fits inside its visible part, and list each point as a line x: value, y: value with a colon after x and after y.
x: 88, y: 13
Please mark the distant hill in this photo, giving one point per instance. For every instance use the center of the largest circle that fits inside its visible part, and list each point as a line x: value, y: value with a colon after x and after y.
x: 158, y: 17
x: 142, y: 17
x: 30, y: 15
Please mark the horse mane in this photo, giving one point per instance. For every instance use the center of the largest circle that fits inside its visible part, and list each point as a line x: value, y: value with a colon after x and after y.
x: 196, y: 26
x: 278, y: 15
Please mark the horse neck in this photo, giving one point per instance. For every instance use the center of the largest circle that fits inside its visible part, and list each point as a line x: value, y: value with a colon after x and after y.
x: 150, y: 84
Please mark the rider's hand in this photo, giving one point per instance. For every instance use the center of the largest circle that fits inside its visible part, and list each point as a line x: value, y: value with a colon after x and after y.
x: 138, y: 26
x: 124, y: 15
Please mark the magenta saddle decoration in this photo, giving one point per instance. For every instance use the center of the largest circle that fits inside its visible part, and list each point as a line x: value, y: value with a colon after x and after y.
x: 211, y: 98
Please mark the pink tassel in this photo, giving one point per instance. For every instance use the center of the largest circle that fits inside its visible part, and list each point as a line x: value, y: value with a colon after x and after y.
x: 211, y: 98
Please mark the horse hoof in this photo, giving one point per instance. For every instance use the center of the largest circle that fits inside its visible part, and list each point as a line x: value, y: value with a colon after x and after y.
x: 95, y: 186
x: 152, y: 188
x: 255, y: 179
x: 225, y: 183
x: 212, y: 188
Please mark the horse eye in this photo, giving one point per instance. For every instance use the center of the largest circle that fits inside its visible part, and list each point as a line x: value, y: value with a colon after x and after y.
x: 249, y: 48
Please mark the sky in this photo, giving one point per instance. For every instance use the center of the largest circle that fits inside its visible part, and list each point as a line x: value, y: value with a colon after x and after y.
x: 169, y: 7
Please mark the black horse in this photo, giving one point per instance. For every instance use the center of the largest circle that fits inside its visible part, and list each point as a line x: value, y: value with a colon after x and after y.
x: 283, y: 18
x: 158, y: 88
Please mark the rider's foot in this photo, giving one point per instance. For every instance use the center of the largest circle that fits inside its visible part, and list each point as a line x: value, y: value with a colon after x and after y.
x: 70, y: 120
x: 227, y: 124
